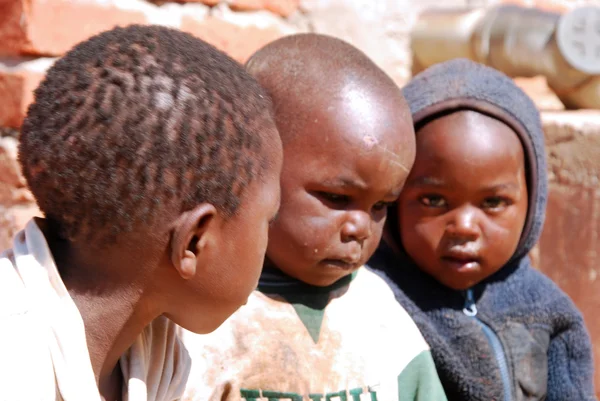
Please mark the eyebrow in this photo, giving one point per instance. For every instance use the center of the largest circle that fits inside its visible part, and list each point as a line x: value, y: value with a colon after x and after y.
x: 349, y: 183
x: 428, y: 181
x: 506, y: 186
x: 344, y: 182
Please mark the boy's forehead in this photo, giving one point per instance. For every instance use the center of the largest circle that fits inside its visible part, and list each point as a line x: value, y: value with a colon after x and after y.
x: 357, y: 111
x: 348, y: 147
x: 364, y: 162
x: 338, y: 131
x: 470, y: 139
x: 468, y: 130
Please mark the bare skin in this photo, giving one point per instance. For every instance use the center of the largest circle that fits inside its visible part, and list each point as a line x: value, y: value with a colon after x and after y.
x: 186, y: 267
x: 348, y: 147
x: 464, y: 206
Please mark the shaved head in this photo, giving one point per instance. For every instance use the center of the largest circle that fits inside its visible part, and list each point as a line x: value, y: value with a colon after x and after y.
x: 348, y: 143
x: 306, y: 73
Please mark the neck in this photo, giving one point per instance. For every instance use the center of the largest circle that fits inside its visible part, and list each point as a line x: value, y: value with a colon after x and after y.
x: 110, y: 293
x: 112, y: 324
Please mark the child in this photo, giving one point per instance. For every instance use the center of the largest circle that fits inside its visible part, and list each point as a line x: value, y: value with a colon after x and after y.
x: 319, y: 327
x: 472, y: 208
x: 143, y: 149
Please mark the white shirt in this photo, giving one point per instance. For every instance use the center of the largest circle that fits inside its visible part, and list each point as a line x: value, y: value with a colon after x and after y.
x: 43, y: 349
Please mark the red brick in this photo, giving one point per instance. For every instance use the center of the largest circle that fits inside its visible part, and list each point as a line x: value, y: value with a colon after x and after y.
x: 41, y: 27
x: 281, y: 7
x: 236, y: 40
x: 13, y: 190
x: 569, y: 248
x: 17, y: 204
x: 13, y: 219
x: 17, y: 84
x: 51, y: 28
x: 10, y: 171
x: 10, y: 196
x: 12, y: 34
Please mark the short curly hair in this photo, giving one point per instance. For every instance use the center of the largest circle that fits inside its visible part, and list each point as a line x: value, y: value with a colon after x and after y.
x: 139, y: 119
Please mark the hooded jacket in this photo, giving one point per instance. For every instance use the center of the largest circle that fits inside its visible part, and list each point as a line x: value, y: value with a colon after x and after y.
x: 515, y: 335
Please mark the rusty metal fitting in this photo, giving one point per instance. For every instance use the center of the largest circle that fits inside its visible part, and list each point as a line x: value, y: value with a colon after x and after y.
x: 521, y: 42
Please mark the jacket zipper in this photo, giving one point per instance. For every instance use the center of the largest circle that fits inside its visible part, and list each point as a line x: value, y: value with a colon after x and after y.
x: 470, y: 309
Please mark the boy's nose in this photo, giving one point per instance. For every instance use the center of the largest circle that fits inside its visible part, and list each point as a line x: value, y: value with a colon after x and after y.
x: 357, y: 227
x: 464, y: 224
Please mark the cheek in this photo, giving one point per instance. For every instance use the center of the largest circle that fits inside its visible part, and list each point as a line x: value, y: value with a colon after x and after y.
x: 259, y: 242
x: 424, y: 236
x: 248, y: 266
x: 375, y: 238
x: 246, y: 241
x: 304, y: 222
x: 503, y: 234
x: 419, y: 231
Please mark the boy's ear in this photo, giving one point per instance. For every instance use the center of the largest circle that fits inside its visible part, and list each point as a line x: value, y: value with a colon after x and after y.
x: 190, y: 237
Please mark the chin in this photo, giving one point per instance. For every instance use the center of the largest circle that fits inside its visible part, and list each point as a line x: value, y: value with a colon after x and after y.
x: 455, y: 280
x: 202, y: 324
x: 204, y: 327
x: 199, y: 326
x: 321, y: 275
x: 461, y: 285
x: 458, y: 287
x: 323, y: 282
x: 327, y: 280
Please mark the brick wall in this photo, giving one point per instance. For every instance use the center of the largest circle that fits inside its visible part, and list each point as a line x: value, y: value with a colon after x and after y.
x: 34, y: 32
x: 570, y: 244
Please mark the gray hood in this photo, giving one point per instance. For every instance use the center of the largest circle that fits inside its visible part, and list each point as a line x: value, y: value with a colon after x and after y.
x: 463, y: 84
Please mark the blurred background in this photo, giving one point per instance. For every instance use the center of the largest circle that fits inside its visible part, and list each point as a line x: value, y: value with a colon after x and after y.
x: 550, y: 47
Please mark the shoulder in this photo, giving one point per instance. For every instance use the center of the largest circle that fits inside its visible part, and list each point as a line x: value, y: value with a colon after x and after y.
x: 531, y: 285
x: 530, y: 295
x: 15, y: 303
x: 23, y: 346
x: 12, y: 290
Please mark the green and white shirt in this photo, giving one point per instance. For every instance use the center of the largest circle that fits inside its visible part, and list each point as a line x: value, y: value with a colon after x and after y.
x: 348, y: 342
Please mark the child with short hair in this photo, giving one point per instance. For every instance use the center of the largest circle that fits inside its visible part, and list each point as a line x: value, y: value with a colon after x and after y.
x: 321, y: 326
x: 472, y: 208
x: 156, y: 161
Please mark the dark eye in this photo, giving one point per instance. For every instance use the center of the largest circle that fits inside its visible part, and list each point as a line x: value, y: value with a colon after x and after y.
x: 336, y: 199
x: 494, y: 202
x: 433, y: 201
x: 382, y: 205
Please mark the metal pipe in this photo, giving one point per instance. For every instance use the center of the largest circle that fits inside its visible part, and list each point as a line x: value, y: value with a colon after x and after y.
x: 521, y: 42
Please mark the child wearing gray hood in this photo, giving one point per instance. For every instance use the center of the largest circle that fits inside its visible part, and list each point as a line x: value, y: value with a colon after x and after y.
x: 458, y: 238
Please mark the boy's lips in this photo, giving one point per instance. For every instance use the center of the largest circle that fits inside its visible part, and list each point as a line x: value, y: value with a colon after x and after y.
x: 461, y: 260
x: 343, y: 264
